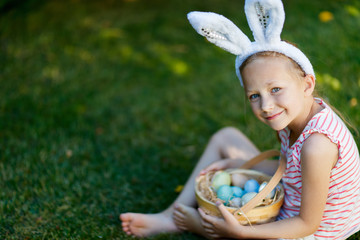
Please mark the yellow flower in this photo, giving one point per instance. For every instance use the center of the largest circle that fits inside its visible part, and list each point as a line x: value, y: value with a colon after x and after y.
x: 326, y: 16
x: 353, y: 102
x: 179, y: 188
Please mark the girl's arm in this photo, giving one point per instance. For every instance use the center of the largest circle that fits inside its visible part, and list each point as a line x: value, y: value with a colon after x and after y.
x: 318, y: 156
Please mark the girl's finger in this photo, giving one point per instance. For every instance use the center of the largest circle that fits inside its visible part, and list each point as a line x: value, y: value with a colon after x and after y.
x: 205, y: 217
x: 209, y: 230
x: 225, y: 213
x: 207, y: 226
x: 202, y: 213
x: 215, y: 236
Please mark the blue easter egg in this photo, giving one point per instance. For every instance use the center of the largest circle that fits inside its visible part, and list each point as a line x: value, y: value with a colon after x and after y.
x: 237, y: 191
x: 225, y: 192
x: 251, y: 186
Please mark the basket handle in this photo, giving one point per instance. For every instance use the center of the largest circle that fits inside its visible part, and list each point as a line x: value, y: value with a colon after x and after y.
x: 259, y: 158
x: 271, y: 184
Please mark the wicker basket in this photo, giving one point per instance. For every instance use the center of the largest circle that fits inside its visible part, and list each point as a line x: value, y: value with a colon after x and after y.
x: 260, y: 213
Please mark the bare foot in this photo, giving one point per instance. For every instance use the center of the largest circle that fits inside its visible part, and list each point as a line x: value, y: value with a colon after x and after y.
x: 144, y: 225
x: 188, y: 219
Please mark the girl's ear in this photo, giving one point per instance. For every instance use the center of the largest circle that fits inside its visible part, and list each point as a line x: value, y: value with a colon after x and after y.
x: 309, y: 84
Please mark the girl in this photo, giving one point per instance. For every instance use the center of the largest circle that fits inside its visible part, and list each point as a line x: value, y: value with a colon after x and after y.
x: 322, y: 177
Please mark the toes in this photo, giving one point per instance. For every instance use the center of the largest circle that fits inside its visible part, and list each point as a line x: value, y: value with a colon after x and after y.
x: 178, y: 214
x: 180, y: 208
x: 178, y: 219
x: 180, y: 224
x: 125, y: 217
x: 126, y: 229
x: 125, y: 224
x: 128, y: 233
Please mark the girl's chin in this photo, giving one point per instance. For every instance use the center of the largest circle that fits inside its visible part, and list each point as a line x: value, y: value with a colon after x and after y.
x: 276, y: 127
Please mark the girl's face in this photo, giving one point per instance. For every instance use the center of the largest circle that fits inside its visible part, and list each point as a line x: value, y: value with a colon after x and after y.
x: 276, y: 94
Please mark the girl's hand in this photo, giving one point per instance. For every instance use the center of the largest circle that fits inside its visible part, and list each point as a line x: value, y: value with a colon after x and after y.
x: 215, y: 227
x: 218, y: 165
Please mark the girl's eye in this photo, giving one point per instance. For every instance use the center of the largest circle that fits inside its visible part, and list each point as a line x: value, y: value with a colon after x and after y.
x: 274, y: 90
x: 252, y: 97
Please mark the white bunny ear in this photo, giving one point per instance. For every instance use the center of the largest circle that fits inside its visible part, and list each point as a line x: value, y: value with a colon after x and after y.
x: 266, y: 19
x: 219, y: 31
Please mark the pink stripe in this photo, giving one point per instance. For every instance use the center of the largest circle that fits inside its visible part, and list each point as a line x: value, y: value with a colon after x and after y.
x: 330, y: 124
x: 317, y: 121
x: 344, y: 188
x: 340, y: 131
x: 335, y: 127
x: 324, y: 121
x: 345, y: 179
x: 341, y: 178
x: 351, y: 149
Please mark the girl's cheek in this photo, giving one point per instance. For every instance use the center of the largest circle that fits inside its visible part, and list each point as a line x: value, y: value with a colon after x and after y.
x: 255, y: 107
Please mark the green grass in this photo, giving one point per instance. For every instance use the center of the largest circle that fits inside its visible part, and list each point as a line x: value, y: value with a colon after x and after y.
x: 106, y: 105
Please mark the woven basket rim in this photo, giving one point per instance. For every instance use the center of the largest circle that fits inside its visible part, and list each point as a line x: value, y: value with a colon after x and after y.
x: 246, y: 171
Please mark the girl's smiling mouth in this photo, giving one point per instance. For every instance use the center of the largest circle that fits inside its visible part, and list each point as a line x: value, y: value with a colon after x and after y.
x: 274, y: 116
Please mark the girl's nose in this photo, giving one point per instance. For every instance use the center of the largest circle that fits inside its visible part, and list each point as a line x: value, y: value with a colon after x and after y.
x: 267, y: 104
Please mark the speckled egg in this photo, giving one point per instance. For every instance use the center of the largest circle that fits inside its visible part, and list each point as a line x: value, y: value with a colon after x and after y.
x: 251, y: 186
x: 238, y: 179
x: 237, y: 191
x: 225, y: 193
x: 220, y: 178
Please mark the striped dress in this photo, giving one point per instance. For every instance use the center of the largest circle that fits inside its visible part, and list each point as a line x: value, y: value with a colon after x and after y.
x: 342, y: 212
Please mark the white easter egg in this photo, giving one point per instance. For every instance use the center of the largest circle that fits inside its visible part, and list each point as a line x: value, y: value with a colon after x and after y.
x: 238, y: 179
x: 235, y: 202
x: 247, y: 197
x: 271, y: 194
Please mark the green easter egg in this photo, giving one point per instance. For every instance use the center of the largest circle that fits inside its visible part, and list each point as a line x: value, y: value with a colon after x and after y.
x: 219, y: 179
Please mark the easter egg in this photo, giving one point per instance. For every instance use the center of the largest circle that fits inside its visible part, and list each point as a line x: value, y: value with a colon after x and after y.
x: 247, y: 197
x: 220, y: 178
x: 251, y: 186
x: 235, y: 202
x: 237, y: 191
x: 238, y: 179
x: 271, y: 194
x: 225, y: 193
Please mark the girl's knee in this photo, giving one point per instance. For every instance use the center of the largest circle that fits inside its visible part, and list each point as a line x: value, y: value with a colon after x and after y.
x: 232, y: 143
x: 225, y: 137
x: 226, y: 133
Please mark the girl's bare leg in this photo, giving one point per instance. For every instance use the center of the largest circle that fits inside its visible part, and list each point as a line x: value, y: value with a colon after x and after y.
x: 226, y: 143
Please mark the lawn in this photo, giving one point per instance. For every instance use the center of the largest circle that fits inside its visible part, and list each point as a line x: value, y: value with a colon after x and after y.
x: 106, y: 105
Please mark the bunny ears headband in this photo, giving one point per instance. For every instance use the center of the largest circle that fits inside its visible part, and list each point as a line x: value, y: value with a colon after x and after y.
x: 266, y: 19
